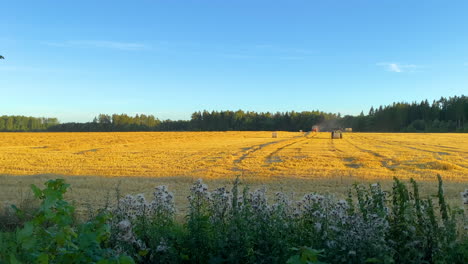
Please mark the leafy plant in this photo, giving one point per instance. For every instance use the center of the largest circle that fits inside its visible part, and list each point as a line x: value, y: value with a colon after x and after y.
x: 52, y: 236
x: 306, y: 255
x: 243, y: 226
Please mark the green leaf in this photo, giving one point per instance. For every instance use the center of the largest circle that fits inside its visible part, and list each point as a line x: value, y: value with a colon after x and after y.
x: 29, y: 243
x: 13, y: 259
x: 294, y: 260
x: 126, y: 260
x: 25, y: 236
x: 43, y: 259
x: 37, y: 192
x: 184, y: 256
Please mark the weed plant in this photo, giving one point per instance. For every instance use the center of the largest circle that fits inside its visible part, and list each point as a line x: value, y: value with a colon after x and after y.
x: 238, y: 225
x: 244, y: 226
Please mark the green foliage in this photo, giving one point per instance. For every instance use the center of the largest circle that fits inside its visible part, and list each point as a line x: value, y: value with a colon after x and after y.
x: 15, y: 216
x: 51, y: 236
x: 242, y: 226
x: 306, y: 255
x: 443, y: 115
x: 26, y: 123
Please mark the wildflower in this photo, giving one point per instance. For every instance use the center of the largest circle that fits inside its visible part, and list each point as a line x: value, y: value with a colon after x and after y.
x: 163, y: 202
x: 464, y: 196
x: 162, y: 247
x: 258, y: 200
x: 199, y: 190
x: 125, y: 231
x: 220, y: 203
x: 131, y: 207
x: 199, y: 187
x: 318, y: 227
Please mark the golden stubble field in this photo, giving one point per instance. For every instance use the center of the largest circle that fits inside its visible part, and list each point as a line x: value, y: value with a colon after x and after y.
x: 227, y: 154
x: 294, y: 162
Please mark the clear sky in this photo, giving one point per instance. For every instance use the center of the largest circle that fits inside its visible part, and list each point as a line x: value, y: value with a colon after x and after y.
x: 76, y: 59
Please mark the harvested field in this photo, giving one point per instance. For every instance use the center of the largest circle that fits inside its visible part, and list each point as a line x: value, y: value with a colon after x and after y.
x: 227, y: 154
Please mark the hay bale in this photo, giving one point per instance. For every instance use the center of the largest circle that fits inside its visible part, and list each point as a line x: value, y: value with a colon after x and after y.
x: 274, y: 134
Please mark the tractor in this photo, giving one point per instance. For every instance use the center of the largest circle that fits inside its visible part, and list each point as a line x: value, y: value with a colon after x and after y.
x: 337, y: 134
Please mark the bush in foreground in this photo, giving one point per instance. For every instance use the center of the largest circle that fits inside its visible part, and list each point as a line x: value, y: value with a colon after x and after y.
x: 241, y: 226
x: 51, y: 236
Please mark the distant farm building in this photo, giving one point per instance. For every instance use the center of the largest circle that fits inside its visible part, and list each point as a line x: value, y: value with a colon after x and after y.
x: 315, y: 128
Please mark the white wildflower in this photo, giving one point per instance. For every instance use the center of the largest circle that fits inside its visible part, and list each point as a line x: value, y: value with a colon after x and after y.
x: 318, y: 227
x: 199, y: 190
x: 464, y: 196
x: 125, y: 231
x: 163, y: 202
x: 162, y: 247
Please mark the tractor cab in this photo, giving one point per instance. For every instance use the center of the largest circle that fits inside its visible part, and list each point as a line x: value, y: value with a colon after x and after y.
x: 337, y: 134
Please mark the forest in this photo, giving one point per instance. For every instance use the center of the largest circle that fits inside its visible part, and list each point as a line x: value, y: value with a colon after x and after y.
x: 26, y: 123
x: 443, y: 115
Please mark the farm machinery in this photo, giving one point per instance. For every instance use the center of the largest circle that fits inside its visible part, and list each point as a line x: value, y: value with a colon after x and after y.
x: 337, y: 134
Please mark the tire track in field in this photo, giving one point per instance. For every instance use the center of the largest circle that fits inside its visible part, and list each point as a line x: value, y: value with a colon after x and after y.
x: 436, y: 154
x: 270, y: 158
x: 366, y: 150
x: 244, y: 153
x: 348, y: 160
x: 247, y: 152
x: 333, y: 148
x: 404, y: 144
x: 250, y: 150
x: 386, y: 162
x: 413, y: 148
x: 407, y: 143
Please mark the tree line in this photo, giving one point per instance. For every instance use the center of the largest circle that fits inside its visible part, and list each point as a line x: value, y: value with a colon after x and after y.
x: 443, y: 115
x: 204, y: 121
x: 26, y: 123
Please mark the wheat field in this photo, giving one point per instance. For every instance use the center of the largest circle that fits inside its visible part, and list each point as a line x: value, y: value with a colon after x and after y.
x: 228, y: 154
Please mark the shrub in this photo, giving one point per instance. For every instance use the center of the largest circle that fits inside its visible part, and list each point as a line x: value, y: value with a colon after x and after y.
x: 241, y: 226
x: 52, y: 237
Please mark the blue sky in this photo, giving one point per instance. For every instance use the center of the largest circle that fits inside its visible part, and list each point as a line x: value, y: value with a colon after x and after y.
x: 76, y: 59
